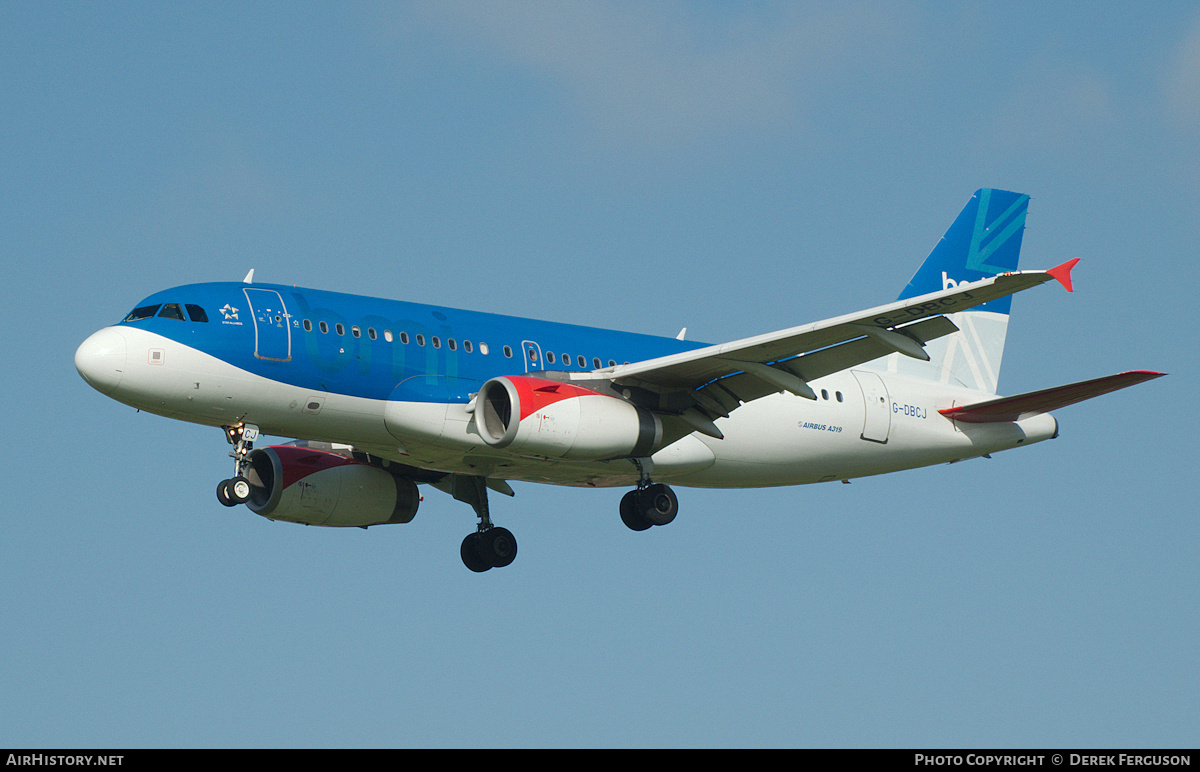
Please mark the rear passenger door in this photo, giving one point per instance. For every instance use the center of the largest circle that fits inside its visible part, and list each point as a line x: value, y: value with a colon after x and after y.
x: 877, y: 418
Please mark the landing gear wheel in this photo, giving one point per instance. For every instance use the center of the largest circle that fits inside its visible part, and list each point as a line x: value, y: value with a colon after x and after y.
x: 471, y: 557
x: 654, y: 504
x: 223, y: 494
x: 630, y: 515
x: 658, y: 504
x: 493, y: 548
x: 239, y: 490
x: 497, y: 546
x: 233, y: 492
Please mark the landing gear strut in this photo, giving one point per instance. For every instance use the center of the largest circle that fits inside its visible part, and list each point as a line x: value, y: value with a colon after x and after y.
x: 490, y: 546
x: 651, y: 504
x: 236, y: 490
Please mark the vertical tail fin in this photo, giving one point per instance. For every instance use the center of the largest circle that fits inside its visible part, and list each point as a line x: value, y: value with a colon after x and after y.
x: 984, y: 240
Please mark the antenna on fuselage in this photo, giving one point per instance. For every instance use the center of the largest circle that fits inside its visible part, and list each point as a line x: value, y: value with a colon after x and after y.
x: 249, y: 277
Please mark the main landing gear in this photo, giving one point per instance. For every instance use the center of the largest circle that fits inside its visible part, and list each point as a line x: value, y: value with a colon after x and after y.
x: 490, y: 546
x: 236, y: 490
x: 651, y: 504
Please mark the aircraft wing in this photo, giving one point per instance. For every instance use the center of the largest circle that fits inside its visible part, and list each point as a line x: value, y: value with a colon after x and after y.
x: 710, y: 382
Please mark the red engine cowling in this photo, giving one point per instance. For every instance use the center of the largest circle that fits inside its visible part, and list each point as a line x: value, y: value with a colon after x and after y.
x: 561, y: 420
x: 315, y: 487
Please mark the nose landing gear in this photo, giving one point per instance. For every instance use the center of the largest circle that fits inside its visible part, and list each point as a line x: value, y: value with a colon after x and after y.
x: 236, y: 490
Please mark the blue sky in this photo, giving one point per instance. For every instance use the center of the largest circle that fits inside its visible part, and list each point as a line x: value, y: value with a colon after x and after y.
x: 645, y: 166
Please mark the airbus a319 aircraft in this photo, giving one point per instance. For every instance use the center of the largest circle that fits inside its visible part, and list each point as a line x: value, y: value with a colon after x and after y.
x: 382, y: 395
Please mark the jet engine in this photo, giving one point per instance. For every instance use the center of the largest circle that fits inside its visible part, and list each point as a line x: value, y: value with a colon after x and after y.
x: 315, y: 487
x: 547, y: 418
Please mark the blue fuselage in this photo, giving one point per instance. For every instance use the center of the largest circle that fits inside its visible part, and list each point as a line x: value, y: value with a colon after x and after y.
x: 376, y: 348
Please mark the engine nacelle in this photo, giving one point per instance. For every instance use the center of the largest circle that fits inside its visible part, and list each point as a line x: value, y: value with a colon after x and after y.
x: 315, y: 487
x: 560, y: 420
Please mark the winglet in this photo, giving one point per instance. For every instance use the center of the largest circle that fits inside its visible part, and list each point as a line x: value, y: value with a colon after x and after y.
x: 1063, y: 273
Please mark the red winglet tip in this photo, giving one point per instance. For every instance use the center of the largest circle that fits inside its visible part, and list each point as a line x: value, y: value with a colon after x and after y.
x: 1063, y: 273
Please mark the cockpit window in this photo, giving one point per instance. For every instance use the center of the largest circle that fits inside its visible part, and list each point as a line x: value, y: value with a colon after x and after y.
x: 197, y: 313
x: 142, y: 312
x: 172, y: 311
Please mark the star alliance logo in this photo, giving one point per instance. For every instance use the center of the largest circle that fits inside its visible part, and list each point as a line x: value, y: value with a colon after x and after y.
x: 231, y: 315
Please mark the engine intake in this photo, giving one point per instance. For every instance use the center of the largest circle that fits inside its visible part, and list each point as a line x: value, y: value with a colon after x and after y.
x: 560, y: 420
x: 315, y: 487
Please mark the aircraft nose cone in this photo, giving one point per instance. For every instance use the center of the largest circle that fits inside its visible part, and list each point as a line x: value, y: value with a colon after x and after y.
x: 101, y: 360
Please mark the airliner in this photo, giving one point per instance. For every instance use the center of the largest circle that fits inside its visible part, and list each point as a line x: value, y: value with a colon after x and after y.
x: 376, y: 397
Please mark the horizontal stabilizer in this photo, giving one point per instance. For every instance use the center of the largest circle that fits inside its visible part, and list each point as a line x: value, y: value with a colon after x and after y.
x: 1024, y: 405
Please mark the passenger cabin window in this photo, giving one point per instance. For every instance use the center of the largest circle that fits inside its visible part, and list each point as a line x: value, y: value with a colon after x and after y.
x: 307, y: 326
x: 508, y: 351
x: 172, y: 311
x: 144, y: 312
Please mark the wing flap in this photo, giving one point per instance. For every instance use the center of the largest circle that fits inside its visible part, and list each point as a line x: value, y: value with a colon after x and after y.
x: 827, y: 361
x: 1023, y: 405
x: 745, y: 386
